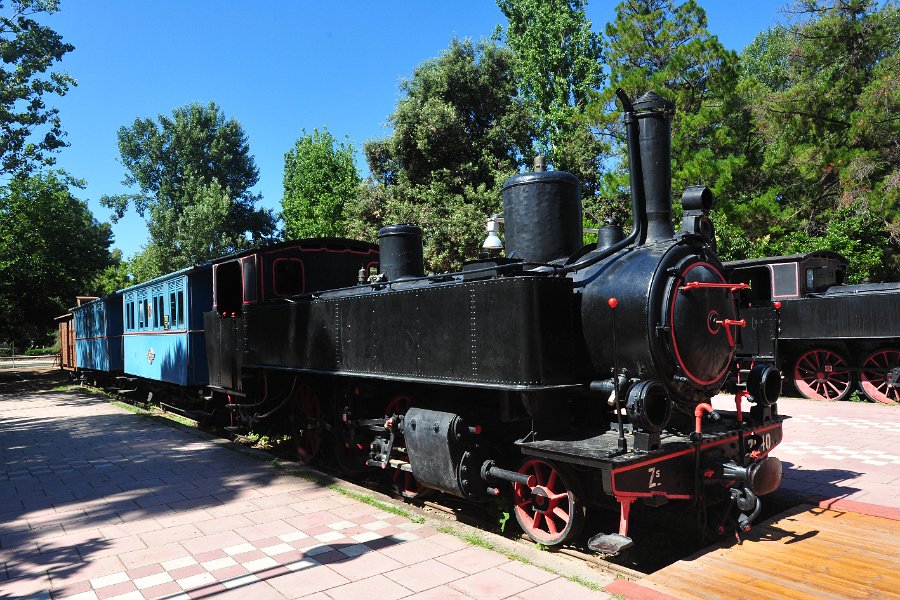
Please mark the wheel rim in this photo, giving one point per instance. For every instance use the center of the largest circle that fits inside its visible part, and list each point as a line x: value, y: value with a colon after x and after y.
x: 875, y: 378
x: 403, y: 482
x: 307, y: 424
x: 822, y: 375
x: 550, y: 512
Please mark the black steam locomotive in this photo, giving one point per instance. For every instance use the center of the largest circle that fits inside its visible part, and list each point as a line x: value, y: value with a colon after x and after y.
x: 828, y: 336
x: 567, y: 376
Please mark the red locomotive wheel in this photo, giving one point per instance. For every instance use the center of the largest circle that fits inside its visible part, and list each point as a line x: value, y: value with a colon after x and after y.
x: 876, y: 376
x: 403, y: 482
x: 822, y: 375
x: 306, y: 424
x: 552, y: 512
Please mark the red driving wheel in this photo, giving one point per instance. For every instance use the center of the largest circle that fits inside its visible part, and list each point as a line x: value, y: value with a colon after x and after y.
x: 879, y: 376
x: 821, y: 374
x: 306, y: 424
x: 403, y: 481
x: 552, y: 512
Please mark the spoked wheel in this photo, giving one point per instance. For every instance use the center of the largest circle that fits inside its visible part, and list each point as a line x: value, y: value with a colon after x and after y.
x: 822, y: 375
x: 554, y: 510
x: 306, y: 424
x: 403, y: 482
x: 879, y: 376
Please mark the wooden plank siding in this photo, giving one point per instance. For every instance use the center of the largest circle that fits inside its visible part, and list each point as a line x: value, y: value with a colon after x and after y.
x: 806, y: 552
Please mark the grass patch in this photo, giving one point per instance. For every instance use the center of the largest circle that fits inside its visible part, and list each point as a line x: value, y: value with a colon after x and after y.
x: 588, y: 584
x: 154, y: 413
x: 366, y: 499
x: 132, y: 409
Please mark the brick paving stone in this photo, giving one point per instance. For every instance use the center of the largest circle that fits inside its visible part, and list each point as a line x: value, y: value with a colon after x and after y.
x: 308, y: 581
x: 425, y: 575
x: 161, y: 590
x: 224, y: 523
x: 443, y: 593
x: 225, y: 573
x: 378, y: 586
x: 491, y: 584
x: 529, y: 573
x: 264, y: 530
x: 216, y: 541
x: 365, y: 565
x: 25, y: 586
x: 117, y: 589
x: 472, y: 559
x: 148, y: 556
x: 72, y: 589
x: 168, y: 535
x: 259, y: 590
x: 416, y: 551
x: 187, y: 571
x: 561, y: 588
x: 85, y: 571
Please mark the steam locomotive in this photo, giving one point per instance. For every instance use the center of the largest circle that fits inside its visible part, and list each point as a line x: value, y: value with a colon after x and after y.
x: 827, y: 335
x: 567, y: 376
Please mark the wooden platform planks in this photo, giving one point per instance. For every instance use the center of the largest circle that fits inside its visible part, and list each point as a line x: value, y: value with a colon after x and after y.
x: 803, y: 553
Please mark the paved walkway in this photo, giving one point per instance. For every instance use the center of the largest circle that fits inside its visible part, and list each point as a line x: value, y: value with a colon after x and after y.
x: 98, y: 503
x: 844, y: 454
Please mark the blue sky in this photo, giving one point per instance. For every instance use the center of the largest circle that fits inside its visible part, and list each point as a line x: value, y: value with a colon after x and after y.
x: 277, y: 67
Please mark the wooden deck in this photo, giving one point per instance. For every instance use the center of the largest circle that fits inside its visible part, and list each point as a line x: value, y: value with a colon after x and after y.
x: 806, y: 552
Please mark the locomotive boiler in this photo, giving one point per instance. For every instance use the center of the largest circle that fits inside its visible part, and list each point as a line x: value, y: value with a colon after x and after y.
x: 561, y: 376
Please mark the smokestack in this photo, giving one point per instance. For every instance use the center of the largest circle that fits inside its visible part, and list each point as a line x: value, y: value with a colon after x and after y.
x: 654, y: 115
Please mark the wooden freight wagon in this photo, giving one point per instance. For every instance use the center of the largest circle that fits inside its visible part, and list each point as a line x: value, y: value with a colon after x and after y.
x: 68, y: 360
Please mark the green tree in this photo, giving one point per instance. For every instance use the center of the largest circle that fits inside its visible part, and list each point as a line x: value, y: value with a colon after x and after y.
x: 29, y: 130
x: 320, y: 177
x: 114, y: 276
x: 51, y: 249
x: 460, y: 130
x: 664, y: 46
x: 194, y: 173
x: 824, y: 91
x: 558, y: 68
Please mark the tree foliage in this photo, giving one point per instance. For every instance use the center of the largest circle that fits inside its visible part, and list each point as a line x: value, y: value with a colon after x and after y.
x: 194, y: 173
x: 115, y: 276
x: 460, y: 130
x: 558, y: 65
x: 824, y: 92
x: 51, y: 249
x: 320, y: 177
x: 665, y: 46
x: 29, y: 130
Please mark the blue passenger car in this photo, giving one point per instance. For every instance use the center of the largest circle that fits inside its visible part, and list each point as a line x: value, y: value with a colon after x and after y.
x: 163, y: 317
x: 98, y: 334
